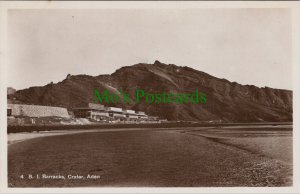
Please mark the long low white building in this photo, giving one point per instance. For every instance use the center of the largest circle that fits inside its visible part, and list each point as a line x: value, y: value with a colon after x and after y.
x: 24, y: 110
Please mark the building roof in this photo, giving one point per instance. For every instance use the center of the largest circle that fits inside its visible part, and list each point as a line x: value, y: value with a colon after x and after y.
x: 96, y: 106
x: 115, y: 109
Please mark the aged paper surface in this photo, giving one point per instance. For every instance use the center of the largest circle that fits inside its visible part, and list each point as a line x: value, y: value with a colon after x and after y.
x: 159, y: 97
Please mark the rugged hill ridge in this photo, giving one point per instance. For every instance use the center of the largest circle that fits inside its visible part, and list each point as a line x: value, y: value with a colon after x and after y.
x: 226, y: 101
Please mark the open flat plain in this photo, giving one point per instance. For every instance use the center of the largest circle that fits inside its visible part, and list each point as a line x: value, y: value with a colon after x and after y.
x: 177, y: 157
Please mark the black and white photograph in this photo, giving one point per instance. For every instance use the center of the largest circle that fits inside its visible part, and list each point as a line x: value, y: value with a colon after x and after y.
x: 149, y: 96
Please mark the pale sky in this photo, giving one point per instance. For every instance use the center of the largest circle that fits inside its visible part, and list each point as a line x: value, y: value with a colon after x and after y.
x: 249, y: 46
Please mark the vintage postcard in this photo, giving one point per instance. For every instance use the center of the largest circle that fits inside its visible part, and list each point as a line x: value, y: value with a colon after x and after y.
x: 159, y: 97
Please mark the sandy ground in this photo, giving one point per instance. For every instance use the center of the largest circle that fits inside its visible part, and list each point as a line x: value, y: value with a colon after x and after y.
x: 19, y: 137
x: 273, y: 142
x: 145, y: 157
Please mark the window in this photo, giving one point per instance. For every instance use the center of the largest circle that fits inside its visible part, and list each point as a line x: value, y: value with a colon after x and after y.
x: 9, y: 112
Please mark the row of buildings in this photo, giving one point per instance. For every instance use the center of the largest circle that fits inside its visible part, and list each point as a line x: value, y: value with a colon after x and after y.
x: 99, y: 112
x: 92, y: 112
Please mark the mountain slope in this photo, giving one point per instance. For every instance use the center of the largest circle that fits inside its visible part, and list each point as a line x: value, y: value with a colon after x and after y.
x: 227, y: 101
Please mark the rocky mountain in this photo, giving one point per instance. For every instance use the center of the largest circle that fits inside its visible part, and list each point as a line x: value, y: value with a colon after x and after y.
x: 226, y: 101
